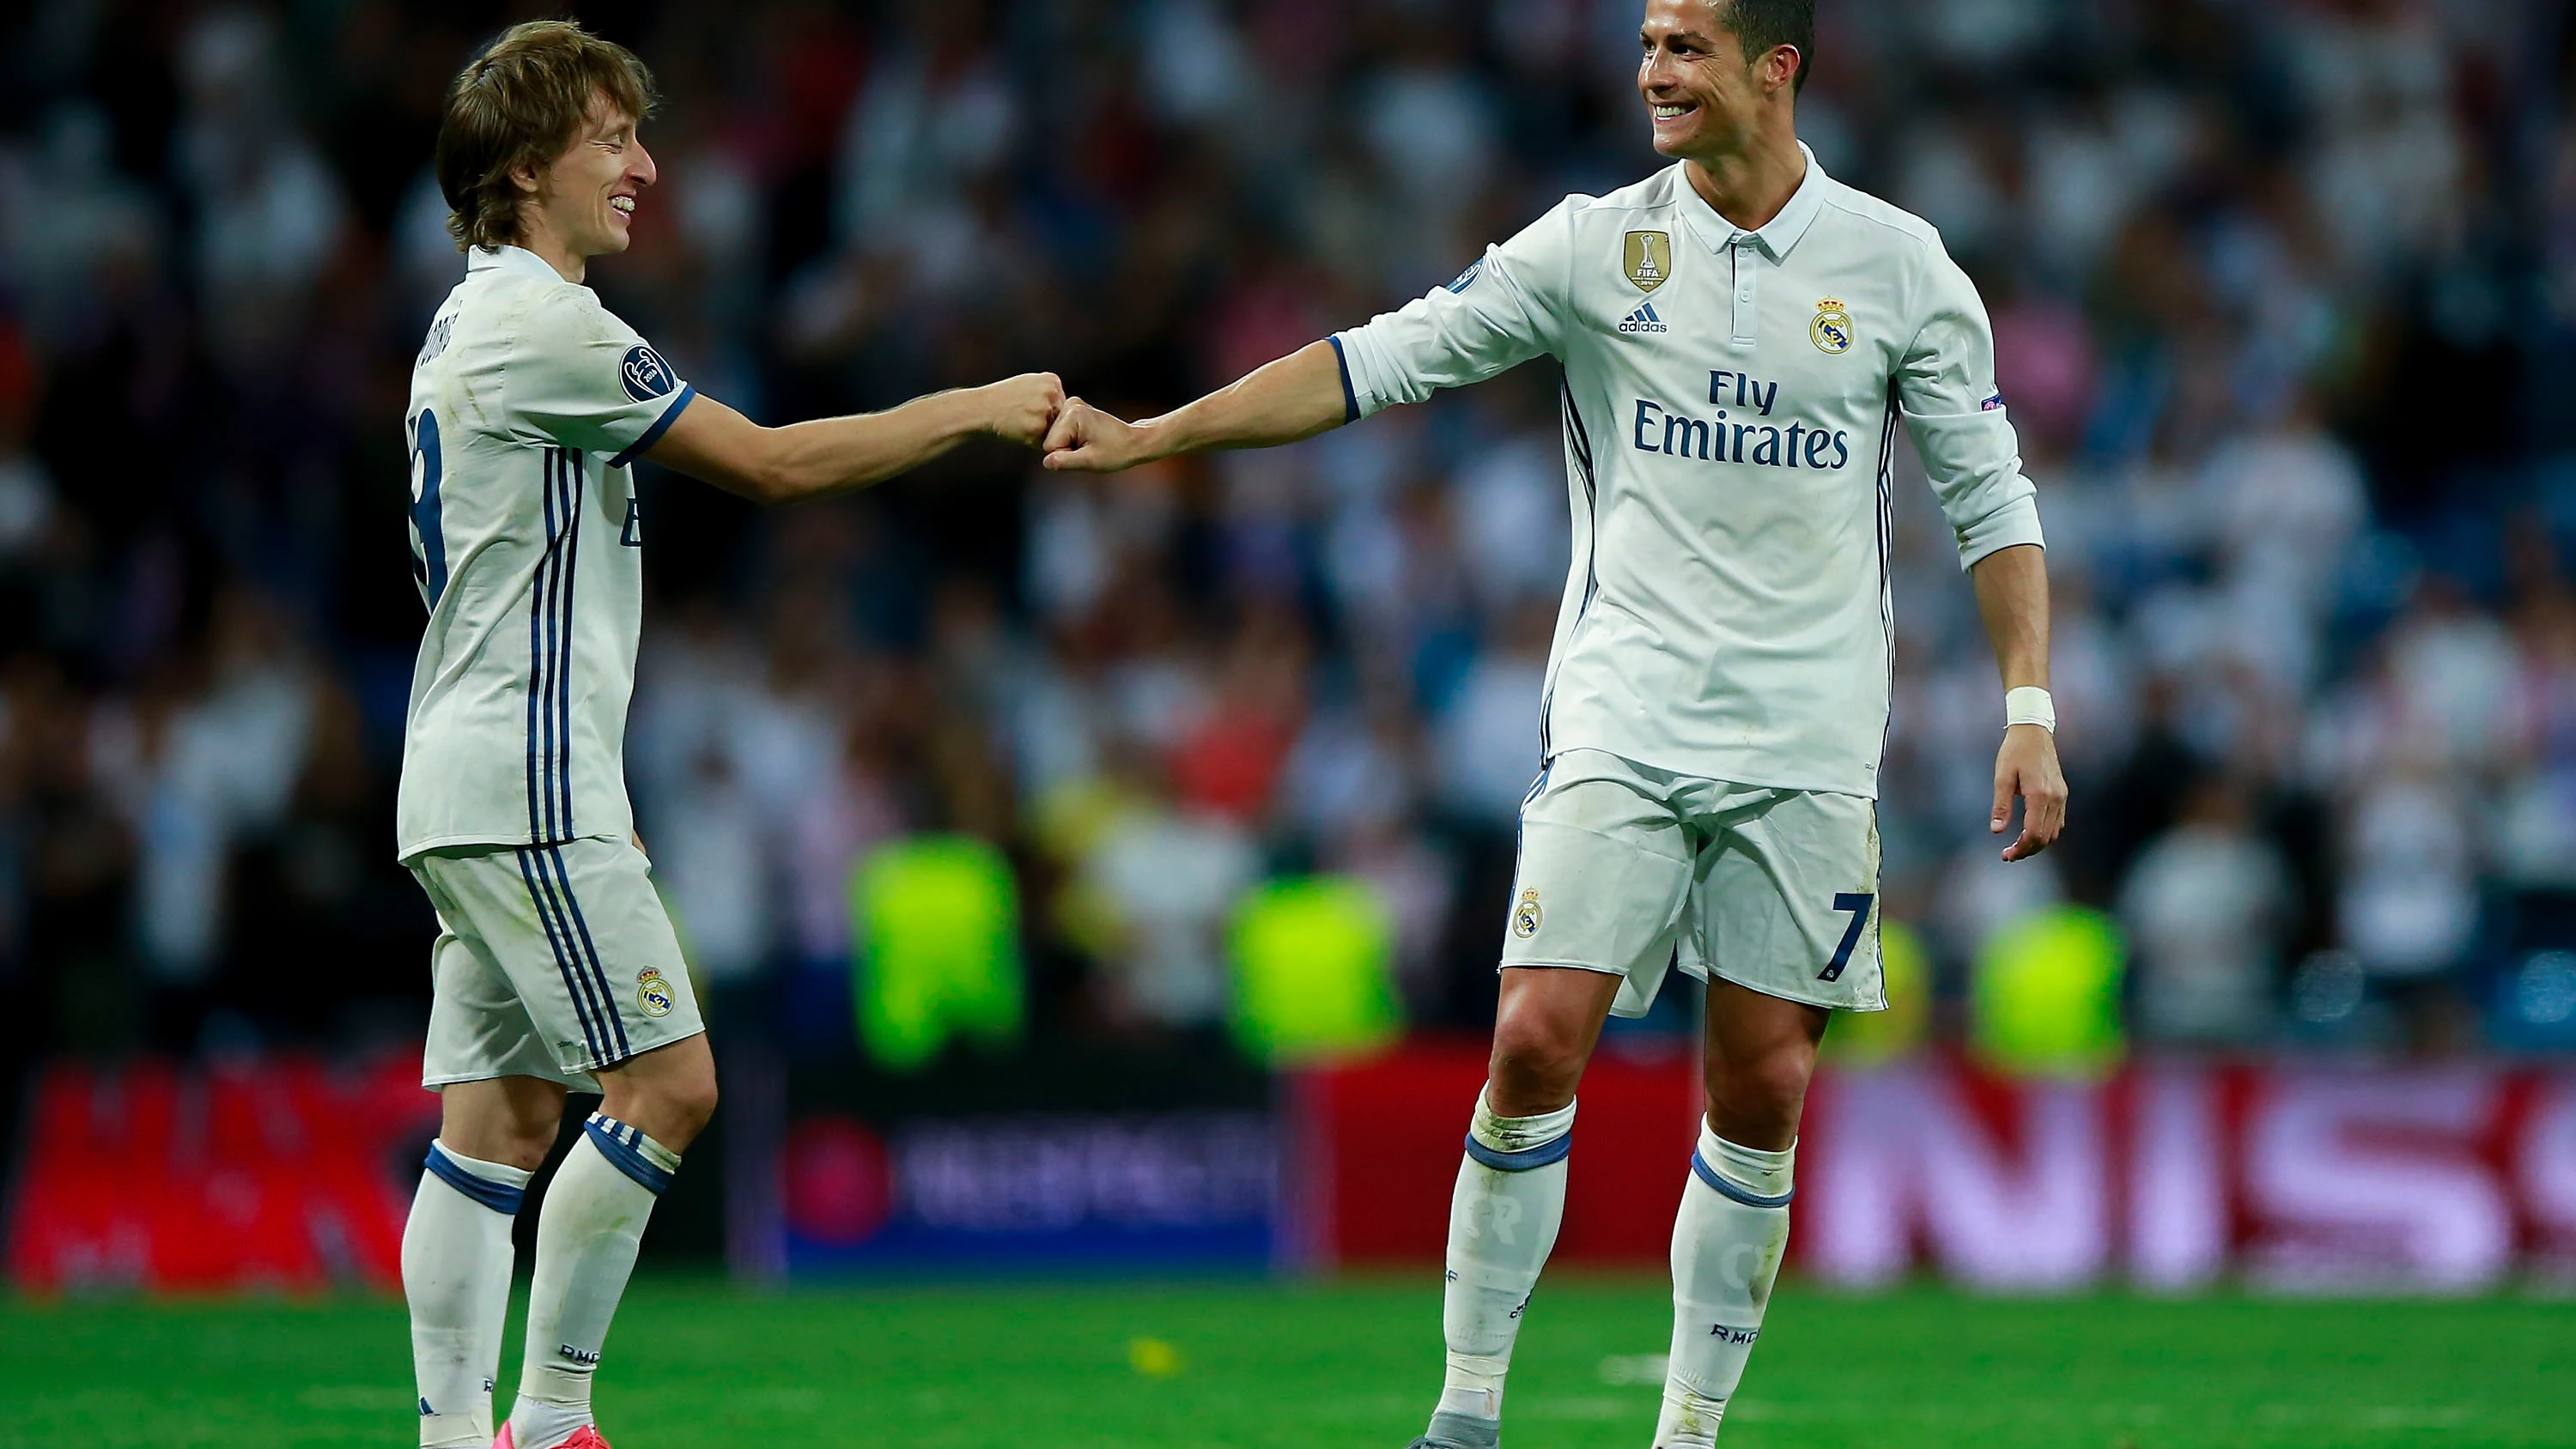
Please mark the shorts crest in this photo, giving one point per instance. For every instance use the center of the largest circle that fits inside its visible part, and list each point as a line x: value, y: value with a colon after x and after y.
x: 652, y: 993
x: 1526, y: 916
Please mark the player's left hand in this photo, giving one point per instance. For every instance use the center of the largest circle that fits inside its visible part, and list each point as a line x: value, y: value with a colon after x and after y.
x: 2027, y: 766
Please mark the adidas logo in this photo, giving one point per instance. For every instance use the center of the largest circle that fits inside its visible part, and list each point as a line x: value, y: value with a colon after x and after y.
x: 1643, y: 320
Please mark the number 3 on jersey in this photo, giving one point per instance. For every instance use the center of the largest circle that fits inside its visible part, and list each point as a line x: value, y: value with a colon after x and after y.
x: 428, y: 542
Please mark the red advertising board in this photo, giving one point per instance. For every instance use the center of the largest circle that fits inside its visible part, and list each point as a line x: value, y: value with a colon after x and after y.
x: 2444, y: 1177
x: 1378, y: 1145
x: 287, y: 1173
x: 274, y: 1173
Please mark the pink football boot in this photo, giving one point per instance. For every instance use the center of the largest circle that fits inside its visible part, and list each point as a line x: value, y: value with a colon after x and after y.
x: 585, y: 1437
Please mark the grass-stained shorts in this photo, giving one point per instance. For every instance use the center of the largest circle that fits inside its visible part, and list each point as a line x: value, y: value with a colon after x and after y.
x: 1632, y: 870
x: 552, y: 961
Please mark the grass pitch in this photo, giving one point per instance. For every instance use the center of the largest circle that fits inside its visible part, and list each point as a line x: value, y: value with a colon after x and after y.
x: 1319, y: 1368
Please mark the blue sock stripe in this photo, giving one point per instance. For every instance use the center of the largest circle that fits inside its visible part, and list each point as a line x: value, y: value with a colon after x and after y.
x: 1553, y: 1150
x: 1736, y: 1191
x: 500, y: 1197
x: 610, y: 1136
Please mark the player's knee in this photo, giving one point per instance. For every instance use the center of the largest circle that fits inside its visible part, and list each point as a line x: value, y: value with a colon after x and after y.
x: 528, y: 1142
x: 1759, y: 1098
x: 1536, y: 1064
x: 671, y: 1101
x: 689, y: 1100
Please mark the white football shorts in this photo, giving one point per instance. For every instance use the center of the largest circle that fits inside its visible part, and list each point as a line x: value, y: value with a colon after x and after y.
x: 1631, y: 870
x: 552, y: 961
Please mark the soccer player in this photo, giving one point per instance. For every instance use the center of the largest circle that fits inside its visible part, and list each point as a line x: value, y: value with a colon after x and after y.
x: 555, y: 966
x: 1741, y: 336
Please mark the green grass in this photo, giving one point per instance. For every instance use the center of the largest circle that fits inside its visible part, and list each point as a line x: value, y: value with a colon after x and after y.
x: 1287, y: 1368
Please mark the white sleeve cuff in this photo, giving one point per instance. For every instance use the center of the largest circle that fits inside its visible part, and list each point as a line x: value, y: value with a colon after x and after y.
x: 2017, y: 522
x: 1371, y: 382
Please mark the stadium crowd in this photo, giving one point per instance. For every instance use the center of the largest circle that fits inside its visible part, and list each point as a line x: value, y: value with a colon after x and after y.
x: 2285, y: 301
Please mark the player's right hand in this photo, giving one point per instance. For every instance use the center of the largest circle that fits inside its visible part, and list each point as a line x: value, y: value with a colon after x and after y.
x: 1024, y: 407
x: 1087, y: 440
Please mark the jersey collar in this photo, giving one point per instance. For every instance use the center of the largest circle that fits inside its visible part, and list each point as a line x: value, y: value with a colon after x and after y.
x: 1717, y: 233
x: 518, y: 259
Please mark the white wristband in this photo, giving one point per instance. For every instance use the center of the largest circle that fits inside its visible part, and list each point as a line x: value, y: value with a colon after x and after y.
x: 2030, y: 704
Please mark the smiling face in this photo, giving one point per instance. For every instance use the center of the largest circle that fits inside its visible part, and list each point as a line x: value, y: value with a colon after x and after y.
x: 585, y: 199
x: 1704, y: 95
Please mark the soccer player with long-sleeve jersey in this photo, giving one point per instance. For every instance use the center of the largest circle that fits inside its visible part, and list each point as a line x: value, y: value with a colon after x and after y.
x: 1742, y: 339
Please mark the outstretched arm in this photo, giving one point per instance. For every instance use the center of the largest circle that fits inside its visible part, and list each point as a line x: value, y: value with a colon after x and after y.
x: 1499, y: 313
x: 1293, y: 398
x: 2012, y: 596
x: 712, y: 442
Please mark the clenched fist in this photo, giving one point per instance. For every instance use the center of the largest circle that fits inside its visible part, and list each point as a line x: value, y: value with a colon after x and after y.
x: 1087, y: 440
x: 1022, y: 408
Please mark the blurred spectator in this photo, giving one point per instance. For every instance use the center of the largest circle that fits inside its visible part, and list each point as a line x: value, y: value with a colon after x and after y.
x: 2409, y: 898
x: 2206, y: 906
x: 1163, y: 882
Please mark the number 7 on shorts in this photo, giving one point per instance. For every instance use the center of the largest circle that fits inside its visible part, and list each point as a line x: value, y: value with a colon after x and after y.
x: 1856, y: 902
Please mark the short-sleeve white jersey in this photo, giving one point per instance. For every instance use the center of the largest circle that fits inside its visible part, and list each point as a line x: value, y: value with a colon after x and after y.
x: 1730, y: 409
x: 528, y: 401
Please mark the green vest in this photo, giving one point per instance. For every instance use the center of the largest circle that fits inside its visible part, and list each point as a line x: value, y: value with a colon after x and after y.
x: 1311, y: 957
x: 937, y: 922
x: 2045, y: 997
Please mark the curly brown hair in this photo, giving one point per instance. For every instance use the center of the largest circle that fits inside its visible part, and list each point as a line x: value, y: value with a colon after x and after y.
x: 520, y: 103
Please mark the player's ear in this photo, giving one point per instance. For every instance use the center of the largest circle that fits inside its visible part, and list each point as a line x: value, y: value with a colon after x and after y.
x: 1780, y: 67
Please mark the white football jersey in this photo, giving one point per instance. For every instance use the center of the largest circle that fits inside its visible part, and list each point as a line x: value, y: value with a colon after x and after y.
x: 1730, y: 409
x: 528, y: 401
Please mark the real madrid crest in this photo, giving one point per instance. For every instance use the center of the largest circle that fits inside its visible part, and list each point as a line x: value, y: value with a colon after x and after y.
x: 652, y: 993
x: 1648, y: 258
x: 1832, y: 329
x: 1526, y: 916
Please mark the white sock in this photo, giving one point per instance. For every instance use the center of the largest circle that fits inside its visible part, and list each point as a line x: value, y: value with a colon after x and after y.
x: 456, y: 1263
x: 1727, y: 1241
x: 1502, y: 1222
x: 587, y: 1233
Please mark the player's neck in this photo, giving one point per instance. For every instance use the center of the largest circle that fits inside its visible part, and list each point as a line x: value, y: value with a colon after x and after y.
x: 1751, y: 186
x: 536, y: 236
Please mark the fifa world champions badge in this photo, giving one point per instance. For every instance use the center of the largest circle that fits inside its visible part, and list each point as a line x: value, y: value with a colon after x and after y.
x: 652, y: 993
x: 1832, y: 329
x: 1648, y: 259
x: 1526, y: 916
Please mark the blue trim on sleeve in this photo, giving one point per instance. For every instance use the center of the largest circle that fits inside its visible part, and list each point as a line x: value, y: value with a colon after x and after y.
x: 1729, y: 1189
x: 1350, y: 399
x: 500, y: 1197
x: 1523, y: 1160
x: 661, y: 425
x: 615, y: 1141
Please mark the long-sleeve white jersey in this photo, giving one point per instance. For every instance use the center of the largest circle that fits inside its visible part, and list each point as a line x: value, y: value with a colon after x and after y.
x: 1730, y: 409
x: 528, y: 401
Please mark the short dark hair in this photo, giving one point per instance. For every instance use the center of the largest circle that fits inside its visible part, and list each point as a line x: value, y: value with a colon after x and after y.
x: 520, y: 103
x: 1761, y: 24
